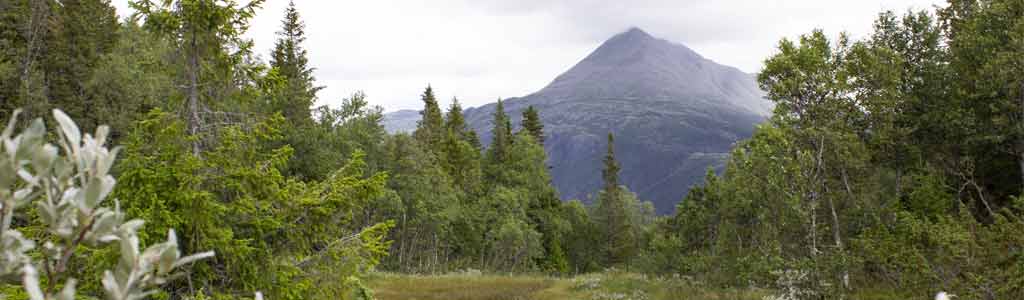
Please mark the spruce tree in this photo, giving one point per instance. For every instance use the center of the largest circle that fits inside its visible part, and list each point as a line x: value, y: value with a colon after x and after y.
x: 22, y: 54
x: 499, y: 152
x: 85, y: 31
x: 526, y: 170
x: 49, y: 51
x: 290, y: 61
x: 501, y: 139
x: 508, y: 129
x: 454, y: 120
x: 430, y: 129
x: 533, y: 125
x: 610, y: 173
x: 209, y: 37
x: 474, y: 140
x: 613, y: 213
x: 461, y: 158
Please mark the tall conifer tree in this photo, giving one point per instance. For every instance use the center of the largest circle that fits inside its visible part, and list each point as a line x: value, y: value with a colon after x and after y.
x: 456, y: 122
x: 501, y: 138
x: 290, y: 61
x: 85, y: 31
x: 533, y: 125
x: 430, y: 129
x: 208, y: 35
x: 461, y: 157
x: 49, y: 51
x: 610, y: 173
x: 613, y: 213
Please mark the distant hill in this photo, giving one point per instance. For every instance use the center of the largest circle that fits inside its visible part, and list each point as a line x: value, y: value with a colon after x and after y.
x: 401, y: 121
x: 674, y: 114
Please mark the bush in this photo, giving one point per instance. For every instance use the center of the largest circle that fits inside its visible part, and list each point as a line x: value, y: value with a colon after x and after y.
x: 60, y: 191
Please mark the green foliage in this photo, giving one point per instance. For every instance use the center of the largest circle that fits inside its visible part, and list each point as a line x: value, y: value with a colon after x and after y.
x: 878, y: 170
x: 288, y: 59
x: 951, y: 253
x: 513, y: 245
x: 207, y: 36
x: 430, y: 129
x: 615, y: 214
x: 457, y: 209
x: 533, y: 125
x: 203, y: 29
x: 166, y: 183
x: 610, y: 173
x: 501, y: 141
x: 131, y: 80
x: 335, y: 135
x: 428, y: 205
x: 87, y: 31
x: 157, y: 175
x: 68, y: 185
x: 456, y: 123
x: 582, y: 239
x: 54, y: 52
x: 460, y: 152
x: 236, y: 200
x: 461, y: 161
x: 929, y: 196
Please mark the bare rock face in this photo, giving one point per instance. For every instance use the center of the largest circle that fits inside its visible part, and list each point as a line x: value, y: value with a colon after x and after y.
x: 674, y: 114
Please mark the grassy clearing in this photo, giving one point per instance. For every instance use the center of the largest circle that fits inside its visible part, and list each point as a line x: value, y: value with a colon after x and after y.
x: 619, y: 286
x: 457, y: 287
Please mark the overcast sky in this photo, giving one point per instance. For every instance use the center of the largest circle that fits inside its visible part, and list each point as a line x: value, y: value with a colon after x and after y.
x: 480, y: 50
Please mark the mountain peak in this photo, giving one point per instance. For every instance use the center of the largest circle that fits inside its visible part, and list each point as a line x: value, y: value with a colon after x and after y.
x: 633, y: 65
x: 636, y: 32
x: 631, y: 39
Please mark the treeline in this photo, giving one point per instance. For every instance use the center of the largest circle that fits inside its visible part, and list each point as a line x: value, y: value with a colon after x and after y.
x: 457, y: 206
x: 297, y: 201
x: 891, y: 163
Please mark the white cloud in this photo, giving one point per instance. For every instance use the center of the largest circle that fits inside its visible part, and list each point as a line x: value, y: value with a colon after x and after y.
x: 480, y: 50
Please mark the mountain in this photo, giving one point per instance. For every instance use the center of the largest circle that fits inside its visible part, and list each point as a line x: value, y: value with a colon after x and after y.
x: 401, y: 121
x: 636, y: 66
x: 673, y: 112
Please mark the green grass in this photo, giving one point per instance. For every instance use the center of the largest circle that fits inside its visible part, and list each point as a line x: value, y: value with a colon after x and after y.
x: 525, y: 287
x: 456, y: 287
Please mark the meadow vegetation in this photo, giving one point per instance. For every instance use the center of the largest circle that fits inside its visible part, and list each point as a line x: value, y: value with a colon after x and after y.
x: 597, y: 286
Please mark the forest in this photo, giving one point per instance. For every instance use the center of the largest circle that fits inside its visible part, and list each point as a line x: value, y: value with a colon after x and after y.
x: 891, y: 168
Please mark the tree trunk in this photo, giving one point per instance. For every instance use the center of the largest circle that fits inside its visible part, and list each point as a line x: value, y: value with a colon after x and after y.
x: 36, y: 26
x: 899, y: 183
x: 1020, y: 130
x: 401, y: 244
x: 814, y: 227
x: 193, y: 93
x: 817, y: 188
x: 835, y: 223
x: 416, y: 256
x: 437, y: 247
x: 837, y: 237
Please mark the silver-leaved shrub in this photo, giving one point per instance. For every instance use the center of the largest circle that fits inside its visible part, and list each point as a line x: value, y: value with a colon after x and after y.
x: 68, y: 185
